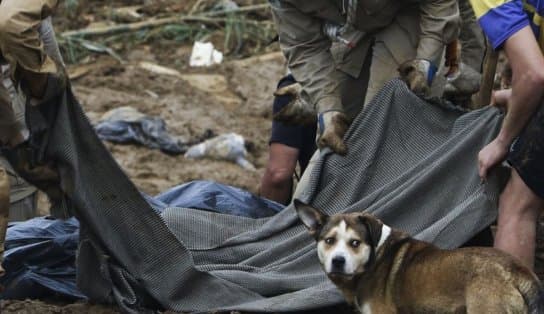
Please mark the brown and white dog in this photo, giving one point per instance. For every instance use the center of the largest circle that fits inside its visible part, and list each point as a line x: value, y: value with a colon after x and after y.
x: 383, y: 270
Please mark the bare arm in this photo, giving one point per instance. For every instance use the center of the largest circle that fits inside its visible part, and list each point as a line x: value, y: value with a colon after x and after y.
x: 527, y: 90
x: 527, y: 63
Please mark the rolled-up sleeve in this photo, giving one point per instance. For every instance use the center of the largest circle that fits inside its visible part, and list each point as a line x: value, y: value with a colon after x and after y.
x: 440, y: 24
x: 308, y: 55
x: 20, y: 41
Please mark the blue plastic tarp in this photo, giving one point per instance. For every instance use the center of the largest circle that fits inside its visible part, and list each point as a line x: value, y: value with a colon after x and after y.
x: 217, y: 197
x: 40, y: 253
x: 128, y: 126
x: 39, y: 259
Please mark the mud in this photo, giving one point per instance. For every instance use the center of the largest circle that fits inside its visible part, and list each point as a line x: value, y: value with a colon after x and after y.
x: 235, y: 96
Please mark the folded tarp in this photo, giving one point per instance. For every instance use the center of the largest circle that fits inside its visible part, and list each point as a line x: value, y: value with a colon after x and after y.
x: 40, y: 260
x: 409, y: 162
x: 40, y: 253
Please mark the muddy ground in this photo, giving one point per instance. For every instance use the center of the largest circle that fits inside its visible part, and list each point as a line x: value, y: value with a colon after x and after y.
x: 234, y: 96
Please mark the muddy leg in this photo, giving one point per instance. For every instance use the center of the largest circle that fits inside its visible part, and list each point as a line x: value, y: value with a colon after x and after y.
x: 522, y: 201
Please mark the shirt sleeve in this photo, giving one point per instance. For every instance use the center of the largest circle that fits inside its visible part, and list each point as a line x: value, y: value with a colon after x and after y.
x: 500, y: 19
x: 308, y: 55
x: 20, y: 40
x: 439, y: 22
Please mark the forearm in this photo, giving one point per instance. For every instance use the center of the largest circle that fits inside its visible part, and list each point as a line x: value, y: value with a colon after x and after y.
x: 50, y: 45
x: 439, y: 23
x: 20, y: 40
x: 527, y: 64
x: 308, y: 55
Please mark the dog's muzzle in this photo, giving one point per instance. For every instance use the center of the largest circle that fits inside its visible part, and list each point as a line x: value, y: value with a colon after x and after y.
x: 338, y: 264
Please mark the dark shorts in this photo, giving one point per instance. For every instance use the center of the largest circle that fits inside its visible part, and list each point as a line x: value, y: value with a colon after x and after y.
x: 527, y: 154
x: 299, y: 137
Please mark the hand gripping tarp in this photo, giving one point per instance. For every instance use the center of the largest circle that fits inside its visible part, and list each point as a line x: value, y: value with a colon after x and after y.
x: 411, y: 163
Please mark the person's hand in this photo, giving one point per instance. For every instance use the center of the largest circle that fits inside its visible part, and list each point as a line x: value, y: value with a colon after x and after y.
x: 296, y: 112
x: 418, y: 74
x: 331, y: 127
x: 500, y: 98
x: 490, y: 156
x: 42, y: 175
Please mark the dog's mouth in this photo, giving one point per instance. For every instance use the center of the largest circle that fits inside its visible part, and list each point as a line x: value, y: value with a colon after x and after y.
x: 340, y: 275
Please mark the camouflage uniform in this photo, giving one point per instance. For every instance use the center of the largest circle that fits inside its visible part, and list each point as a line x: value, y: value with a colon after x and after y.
x: 22, y: 47
x: 400, y: 30
x: 471, y: 37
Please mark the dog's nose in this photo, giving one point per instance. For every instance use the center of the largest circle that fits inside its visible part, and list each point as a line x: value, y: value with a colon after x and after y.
x: 338, y: 263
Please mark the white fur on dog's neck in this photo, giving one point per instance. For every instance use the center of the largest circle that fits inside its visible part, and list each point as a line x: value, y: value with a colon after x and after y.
x: 386, y: 231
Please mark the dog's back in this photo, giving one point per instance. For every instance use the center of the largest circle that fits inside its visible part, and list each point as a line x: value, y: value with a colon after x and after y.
x: 364, y: 258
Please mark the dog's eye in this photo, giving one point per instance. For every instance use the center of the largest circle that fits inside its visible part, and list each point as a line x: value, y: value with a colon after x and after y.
x: 355, y: 243
x: 329, y: 241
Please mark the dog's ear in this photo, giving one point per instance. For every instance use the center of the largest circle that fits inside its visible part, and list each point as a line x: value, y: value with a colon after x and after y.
x: 311, y: 217
x: 374, y: 227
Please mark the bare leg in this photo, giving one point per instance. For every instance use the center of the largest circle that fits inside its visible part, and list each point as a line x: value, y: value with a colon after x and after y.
x: 519, y: 209
x: 277, y: 181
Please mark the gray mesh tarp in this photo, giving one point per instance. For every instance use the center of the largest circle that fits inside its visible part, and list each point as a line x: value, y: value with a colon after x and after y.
x: 411, y: 163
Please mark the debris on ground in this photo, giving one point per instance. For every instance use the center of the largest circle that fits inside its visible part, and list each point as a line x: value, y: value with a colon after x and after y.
x: 229, y: 147
x: 205, y: 55
x: 228, y: 97
x: 128, y: 125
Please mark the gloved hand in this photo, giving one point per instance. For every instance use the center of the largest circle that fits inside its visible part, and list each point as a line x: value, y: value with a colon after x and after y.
x: 418, y: 75
x: 331, y: 127
x: 43, y: 176
x: 298, y: 111
x: 41, y: 87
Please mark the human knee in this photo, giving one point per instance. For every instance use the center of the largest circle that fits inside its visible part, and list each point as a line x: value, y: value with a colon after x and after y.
x: 278, y: 176
x: 519, y: 200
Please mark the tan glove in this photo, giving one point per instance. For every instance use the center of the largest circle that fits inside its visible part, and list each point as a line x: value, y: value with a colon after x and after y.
x: 331, y: 128
x: 43, y: 176
x: 418, y: 74
x: 298, y: 111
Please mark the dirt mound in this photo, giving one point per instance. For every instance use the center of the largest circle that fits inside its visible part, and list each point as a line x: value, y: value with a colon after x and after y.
x: 36, y: 306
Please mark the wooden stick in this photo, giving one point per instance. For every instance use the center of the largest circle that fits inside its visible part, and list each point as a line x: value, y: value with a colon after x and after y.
x: 206, y: 18
x: 483, y: 97
x: 195, y: 7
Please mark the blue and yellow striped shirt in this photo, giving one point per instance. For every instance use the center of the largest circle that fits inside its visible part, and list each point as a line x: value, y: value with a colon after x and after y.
x: 501, y: 19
